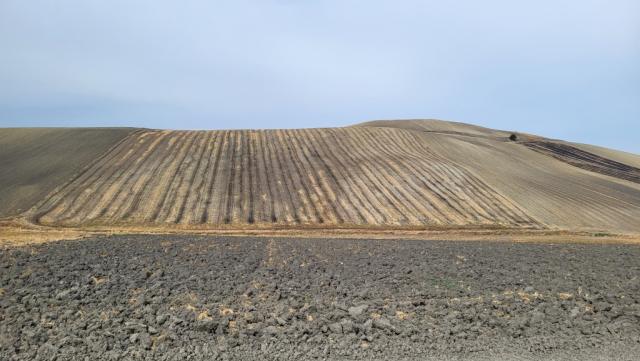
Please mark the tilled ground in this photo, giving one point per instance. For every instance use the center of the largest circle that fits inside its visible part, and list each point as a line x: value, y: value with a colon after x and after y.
x: 202, y: 298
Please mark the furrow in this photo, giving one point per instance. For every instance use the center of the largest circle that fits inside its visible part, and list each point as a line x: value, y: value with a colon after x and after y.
x: 266, y: 196
x: 325, y: 200
x: 124, y: 190
x: 167, y: 194
x: 509, y: 208
x: 181, y: 187
x: 210, y: 202
x: 53, y: 199
x: 132, y: 185
x: 347, y: 192
x: 284, y: 183
x: 451, y: 174
x: 376, y: 176
x: 147, y: 184
x: 241, y: 213
x: 302, y: 189
x: 382, y: 177
x: 251, y: 170
x: 228, y: 204
x: 74, y: 197
x: 203, y: 181
x: 190, y: 188
x: 422, y: 199
x: 421, y: 195
x: 430, y: 178
x: 106, y: 189
x: 339, y: 195
x: 354, y: 182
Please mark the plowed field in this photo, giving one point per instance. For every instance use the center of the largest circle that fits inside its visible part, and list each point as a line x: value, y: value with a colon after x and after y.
x: 354, y: 176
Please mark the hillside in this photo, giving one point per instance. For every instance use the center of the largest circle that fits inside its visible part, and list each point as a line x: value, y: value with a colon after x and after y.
x: 416, y: 173
x: 36, y: 160
x: 549, y: 186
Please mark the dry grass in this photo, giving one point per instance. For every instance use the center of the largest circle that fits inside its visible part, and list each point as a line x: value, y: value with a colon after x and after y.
x: 12, y: 235
x: 20, y: 233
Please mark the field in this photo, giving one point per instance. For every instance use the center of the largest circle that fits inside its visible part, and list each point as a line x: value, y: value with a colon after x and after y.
x: 552, y: 191
x: 383, y: 175
x: 353, y: 176
x: 35, y: 161
x: 586, y: 160
x: 409, y: 240
x: 203, y: 298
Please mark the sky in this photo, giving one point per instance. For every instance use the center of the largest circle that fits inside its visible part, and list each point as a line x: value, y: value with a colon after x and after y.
x: 567, y: 69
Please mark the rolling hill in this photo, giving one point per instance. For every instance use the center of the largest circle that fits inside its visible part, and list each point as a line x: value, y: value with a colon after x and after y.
x: 36, y: 160
x: 413, y: 173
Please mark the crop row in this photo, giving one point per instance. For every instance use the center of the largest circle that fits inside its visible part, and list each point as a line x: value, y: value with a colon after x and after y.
x: 353, y: 176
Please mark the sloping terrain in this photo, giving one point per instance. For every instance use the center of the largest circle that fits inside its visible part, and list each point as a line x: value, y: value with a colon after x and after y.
x: 343, y: 176
x: 586, y: 160
x: 551, y: 190
x: 439, y: 127
x: 33, y: 161
x: 410, y: 173
x: 615, y: 155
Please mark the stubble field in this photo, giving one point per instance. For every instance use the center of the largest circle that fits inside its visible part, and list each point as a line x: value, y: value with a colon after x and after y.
x: 352, y: 176
x: 409, y: 174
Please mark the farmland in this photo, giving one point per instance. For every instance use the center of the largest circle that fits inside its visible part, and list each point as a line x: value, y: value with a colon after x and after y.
x: 495, y: 246
x: 410, y: 174
x: 33, y: 161
x: 206, y: 298
x: 586, y: 160
x: 356, y: 176
x: 553, y: 191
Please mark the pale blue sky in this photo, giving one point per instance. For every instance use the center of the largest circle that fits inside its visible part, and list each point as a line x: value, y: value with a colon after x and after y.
x: 565, y: 69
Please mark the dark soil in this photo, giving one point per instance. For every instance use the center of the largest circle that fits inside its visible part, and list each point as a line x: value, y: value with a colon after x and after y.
x: 585, y: 160
x: 204, y: 298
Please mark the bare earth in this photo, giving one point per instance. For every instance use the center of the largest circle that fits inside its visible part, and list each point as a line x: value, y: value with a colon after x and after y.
x: 407, y: 240
x: 176, y: 297
x: 34, y: 161
x: 414, y: 174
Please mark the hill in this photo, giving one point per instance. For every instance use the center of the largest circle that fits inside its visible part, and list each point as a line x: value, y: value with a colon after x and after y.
x: 36, y: 160
x: 560, y: 184
x: 417, y: 173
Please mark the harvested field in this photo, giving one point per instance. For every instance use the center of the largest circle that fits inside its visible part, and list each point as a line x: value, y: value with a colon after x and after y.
x: 439, y: 127
x: 34, y: 161
x: 205, y: 298
x: 410, y: 174
x: 557, y: 194
x: 616, y: 155
x: 586, y: 160
x: 354, y: 176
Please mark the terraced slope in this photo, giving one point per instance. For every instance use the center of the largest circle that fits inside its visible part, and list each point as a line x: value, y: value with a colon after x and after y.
x: 33, y: 161
x: 343, y: 176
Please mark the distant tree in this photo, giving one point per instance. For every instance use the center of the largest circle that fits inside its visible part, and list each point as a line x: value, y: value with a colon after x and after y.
x: 513, y: 137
